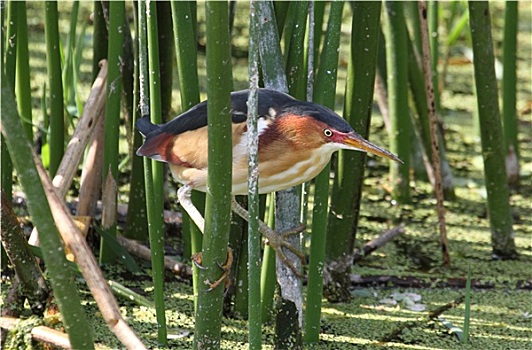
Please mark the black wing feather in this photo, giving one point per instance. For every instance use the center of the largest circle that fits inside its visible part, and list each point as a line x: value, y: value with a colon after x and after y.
x: 279, y: 102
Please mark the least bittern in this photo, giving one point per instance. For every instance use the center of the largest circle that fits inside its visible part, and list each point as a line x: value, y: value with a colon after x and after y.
x: 296, y: 141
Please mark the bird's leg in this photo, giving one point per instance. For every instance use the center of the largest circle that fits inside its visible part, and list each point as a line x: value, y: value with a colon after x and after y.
x: 183, y: 195
x: 276, y: 240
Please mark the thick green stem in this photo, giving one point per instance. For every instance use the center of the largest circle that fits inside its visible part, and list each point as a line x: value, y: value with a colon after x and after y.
x: 112, y: 116
x: 9, y: 49
x: 156, y: 231
x: 166, y: 55
x: 137, y: 217
x: 502, y: 234
x: 347, y: 188
x: 287, y: 203
x: 65, y: 292
x: 254, y: 236
x: 324, y: 92
x: 99, y: 43
x: 268, y: 280
x: 218, y: 206
x: 23, y: 90
x: 10, y: 45
x: 187, y: 68
x: 56, y: 137
x: 295, y: 54
x: 509, y: 86
x: 400, y: 137
x: 68, y: 50
x: 274, y: 78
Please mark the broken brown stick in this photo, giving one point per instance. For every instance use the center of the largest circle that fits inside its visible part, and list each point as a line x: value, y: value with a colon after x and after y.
x: 377, y: 243
x: 144, y: 253
x: 170, y: 217
x: 40, y: 333
x: 395, y: 334
x: 94, y: 108
x: 74, y: 151
x: 91, y: 174
x: 433, y: 126
x: 87, y: 263
x: 13, y: 303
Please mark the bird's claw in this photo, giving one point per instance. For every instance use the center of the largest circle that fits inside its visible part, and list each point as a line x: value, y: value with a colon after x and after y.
x: 226, y: 268
x: 278, y: 241
x: 196, y: 260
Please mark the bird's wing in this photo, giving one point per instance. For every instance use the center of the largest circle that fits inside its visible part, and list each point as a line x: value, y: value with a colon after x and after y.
x: 159, y: 138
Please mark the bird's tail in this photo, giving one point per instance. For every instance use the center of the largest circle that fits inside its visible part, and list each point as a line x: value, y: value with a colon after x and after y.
x: 145, y: 126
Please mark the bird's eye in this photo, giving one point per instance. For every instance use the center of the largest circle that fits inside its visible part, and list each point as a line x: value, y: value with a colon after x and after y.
x: 327, y: 132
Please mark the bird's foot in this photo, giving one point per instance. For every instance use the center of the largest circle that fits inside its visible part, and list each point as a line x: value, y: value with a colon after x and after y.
x: 226, y: 268
x: 278, y: 241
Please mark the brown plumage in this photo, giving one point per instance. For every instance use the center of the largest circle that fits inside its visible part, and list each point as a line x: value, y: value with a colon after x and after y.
x: 296, y: 140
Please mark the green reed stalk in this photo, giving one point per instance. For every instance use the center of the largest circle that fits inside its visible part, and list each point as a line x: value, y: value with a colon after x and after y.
x: 68, y: 70
x: 56, y: 137
x: 23, y: 90
x: 112, y: 112
x: 268, y: 280
x: 288, y: 327
x: 137, y: 217
x: 100, y: 42
x: 218, y: 205
x: 76, y: 65
x: 186, y: 53
x: 413, y: 25
x: 396, y: 62
x: 187, y: 67
x: 295, y: 53
x: 347, y: 187
x: 238, y: 297
x: 62, y: 281
x: 166, y: 55
x: 319, y: 14
x: 509, y: 95
x: 281, y: 13
x: 155, y: 218
x: 274, y: 78
x: 10, y: 44
x: 324, y: 93
x: 254, y: 236
x: 491, y: 134
x: 9, y: 50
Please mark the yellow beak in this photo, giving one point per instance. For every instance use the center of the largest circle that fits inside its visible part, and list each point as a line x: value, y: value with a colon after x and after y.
x: 355, y: 141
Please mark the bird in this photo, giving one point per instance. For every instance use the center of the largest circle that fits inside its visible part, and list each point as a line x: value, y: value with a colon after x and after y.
x: 296, y: 140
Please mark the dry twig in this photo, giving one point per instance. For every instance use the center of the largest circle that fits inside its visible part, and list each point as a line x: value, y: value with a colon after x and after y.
x: 87, y: 263
x: 40, y: 333
x: 377, y: 243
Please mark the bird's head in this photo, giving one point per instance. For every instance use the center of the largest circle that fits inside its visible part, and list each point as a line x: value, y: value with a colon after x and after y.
x: 317, y: 127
